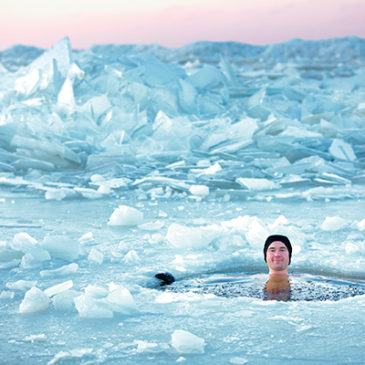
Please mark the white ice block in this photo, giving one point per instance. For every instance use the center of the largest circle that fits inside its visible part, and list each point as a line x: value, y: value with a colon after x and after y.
x: 125, y: 216
x: 35, y: 300
x: 185, y: 342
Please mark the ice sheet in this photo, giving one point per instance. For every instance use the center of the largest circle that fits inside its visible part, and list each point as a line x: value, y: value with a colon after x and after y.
x: 119, y: 162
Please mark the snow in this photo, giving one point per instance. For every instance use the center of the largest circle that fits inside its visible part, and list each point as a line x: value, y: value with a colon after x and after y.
x: 122, y: 161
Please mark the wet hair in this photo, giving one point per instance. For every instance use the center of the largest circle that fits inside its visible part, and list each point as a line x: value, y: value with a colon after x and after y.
x: 280, y: 238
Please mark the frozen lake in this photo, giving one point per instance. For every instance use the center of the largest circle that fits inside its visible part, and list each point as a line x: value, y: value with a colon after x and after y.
x: 120, y: 162
x: 235, y: 329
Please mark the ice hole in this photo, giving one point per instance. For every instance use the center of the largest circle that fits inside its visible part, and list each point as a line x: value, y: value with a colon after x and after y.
x: 299, y: 287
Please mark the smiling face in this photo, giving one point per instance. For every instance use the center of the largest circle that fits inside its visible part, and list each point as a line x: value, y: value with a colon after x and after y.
x: 277, y: 258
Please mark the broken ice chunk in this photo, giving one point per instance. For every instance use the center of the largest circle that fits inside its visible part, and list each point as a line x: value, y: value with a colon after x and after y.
x: 211, y: 170
x: 187, y: 97
x: 152, y: 226
x: 86, y: 238
x: 88, y: 193
x: 125, y: 216
x: 121, y: 300
x: 151, y: 347
x: 96, y: 256
x: 186, y: 342
x: 35, y: 257
x: 342, y: 150
x: 191, y: 237
x: 161, y: 180
x: 333, y: 224
x: 104, y: 189
x: 206, y: 78
x: 361, y: 225
x: 50, y: 151
x: 156, y: 73
x: 36, y: 338
x: 238, y: 360
x: 352, y: 248
x: 35, y: 300
x: 33, y: 254
x: 255, y: 233
x: 75, y: 355
x: 63, y: 270
x: 61, y: 247
x: 96, y: 106
x: 8, y: 257
x: 199, y: 190
x: 21, y: 285
x: 65, y: 301
x: 43, y: 71
x: 90, y: 307
x: 96, y: 291
x: 57, y: 194
x: 5, y: 294
x: 131, y: 257
x: 257, y: 184
x: 257, y: 98
x: 32, y: 163
x: 244, y: 129
x: 59, y: 288
x: 28, y: 83
x: 23, y: 242
x: 66, y: 98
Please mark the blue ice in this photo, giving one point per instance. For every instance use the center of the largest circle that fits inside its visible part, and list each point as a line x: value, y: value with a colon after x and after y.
x: 118, y: 162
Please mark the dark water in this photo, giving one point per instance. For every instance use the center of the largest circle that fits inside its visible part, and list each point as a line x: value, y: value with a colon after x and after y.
x: 299, y: 287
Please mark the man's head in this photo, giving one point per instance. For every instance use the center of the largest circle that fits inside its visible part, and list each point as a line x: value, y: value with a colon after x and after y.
x: 280, y: 238
x: 277, y: 252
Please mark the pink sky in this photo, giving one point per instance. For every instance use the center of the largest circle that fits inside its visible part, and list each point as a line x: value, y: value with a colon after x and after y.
x: 173, y: 23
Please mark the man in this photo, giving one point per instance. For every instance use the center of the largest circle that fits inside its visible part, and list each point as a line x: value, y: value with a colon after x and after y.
x: 277, y: 255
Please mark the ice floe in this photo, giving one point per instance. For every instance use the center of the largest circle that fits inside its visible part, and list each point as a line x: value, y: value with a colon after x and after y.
x: 35, y: 300
x: 126, y: 216
x: 187, y: 343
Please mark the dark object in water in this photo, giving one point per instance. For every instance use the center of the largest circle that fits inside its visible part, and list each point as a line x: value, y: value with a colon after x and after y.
x: 166, y: 278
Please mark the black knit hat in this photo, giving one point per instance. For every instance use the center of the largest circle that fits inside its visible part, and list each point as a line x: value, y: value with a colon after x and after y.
x: 278, y: 237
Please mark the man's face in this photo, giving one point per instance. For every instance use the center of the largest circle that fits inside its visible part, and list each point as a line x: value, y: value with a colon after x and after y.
x: 277, y: 256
